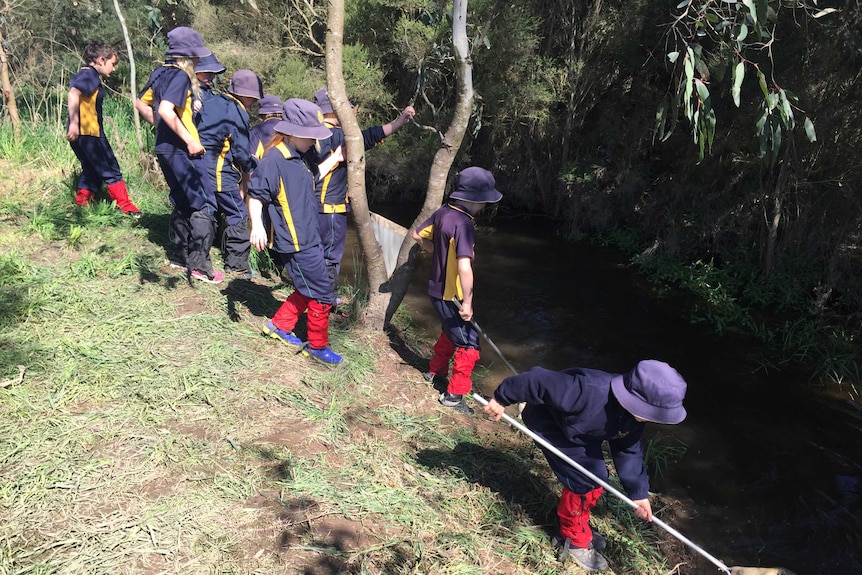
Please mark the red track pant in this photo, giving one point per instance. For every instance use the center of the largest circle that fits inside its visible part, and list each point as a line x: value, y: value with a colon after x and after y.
x: 318, y: 318
x: 574, y: 513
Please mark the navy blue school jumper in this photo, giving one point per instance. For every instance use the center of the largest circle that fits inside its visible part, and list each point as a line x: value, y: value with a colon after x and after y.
x: 191, y: 228
x: 260, y: 135
x: 284, y: 184
x: 223, y: 129
x: 331, y: 192
x: 92, y: 149
x: 576, y: 411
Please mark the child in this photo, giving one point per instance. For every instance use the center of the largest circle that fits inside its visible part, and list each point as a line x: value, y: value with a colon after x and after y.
x: 167, y: 102
x: 285, y: 185
x: 85, y: 130
x: 578, y: 409
x: 331, y: 187
x: 269, y: 113
x: 206, y: 70
x: 223, y: 129
x: 450, y: 234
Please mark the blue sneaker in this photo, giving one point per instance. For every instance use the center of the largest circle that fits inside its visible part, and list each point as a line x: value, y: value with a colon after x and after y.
x: 325, y: 356
x: 287, y: 338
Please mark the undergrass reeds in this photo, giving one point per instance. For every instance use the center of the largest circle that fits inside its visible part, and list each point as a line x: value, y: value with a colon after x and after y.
x: 156, y: 431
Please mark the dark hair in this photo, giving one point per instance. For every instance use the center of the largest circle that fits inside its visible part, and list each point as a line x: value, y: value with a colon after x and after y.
x: 96, y: 49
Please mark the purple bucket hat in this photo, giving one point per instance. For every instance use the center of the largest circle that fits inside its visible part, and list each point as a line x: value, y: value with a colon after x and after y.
x: 302, y: 119
x: 653, y: 390
x: 321, y: 98
x: 476, y: 185
x: 186, y: 42
x: 246, y: 83
x: 210, y: 63
x: 269, y: 104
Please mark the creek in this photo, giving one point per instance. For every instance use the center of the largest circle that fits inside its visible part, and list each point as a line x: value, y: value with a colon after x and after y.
x: 771, y: 474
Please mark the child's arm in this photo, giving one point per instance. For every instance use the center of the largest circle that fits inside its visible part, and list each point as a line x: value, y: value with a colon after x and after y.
x: 73, y: 101
x: 329, y: 164
x: 168, y: 115
x: 465, y: 276
x: 398, y: 123
x: 258, y: 230
x: 146, y: 111
x: 424, y: 243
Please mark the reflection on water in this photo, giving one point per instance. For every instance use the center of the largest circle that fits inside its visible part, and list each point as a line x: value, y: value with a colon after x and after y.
x: 772, y: 467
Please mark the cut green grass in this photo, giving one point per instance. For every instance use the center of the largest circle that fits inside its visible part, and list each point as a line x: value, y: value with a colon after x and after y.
x: 156, y: 430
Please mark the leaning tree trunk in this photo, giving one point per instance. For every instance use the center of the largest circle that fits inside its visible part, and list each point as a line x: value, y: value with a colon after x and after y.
x: 443, y: 159
x: 132, y: 80
x: 374, y: 314
x: 9, y: 92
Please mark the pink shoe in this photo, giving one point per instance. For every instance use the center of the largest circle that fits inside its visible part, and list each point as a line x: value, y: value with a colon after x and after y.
x: 214, y: 277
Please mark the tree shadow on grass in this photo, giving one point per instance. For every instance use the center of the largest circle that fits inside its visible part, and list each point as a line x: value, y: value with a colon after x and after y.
x: 507, y: 470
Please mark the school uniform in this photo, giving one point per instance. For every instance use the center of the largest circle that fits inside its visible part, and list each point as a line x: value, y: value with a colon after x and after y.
x: 577, y: 410
x: 191, y: 227
x: 284, y: 184
x: 260, y: 135
x: 91, y: 147
x: 223, y: 130
x: 331, y: 192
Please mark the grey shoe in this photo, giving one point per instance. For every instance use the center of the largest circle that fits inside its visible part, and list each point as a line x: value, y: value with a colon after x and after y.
x: 456, y: 402
x: 589, y: 559
x: 598, y: 543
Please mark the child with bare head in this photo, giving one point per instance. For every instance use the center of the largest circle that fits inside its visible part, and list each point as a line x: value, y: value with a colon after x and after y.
x: 86, y: 133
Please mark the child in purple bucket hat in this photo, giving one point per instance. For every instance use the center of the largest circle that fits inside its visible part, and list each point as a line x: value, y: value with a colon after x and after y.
x: 228, y: 162
x: 578, y: 409
x: 283, y: 184
x: 167, y: 102
x: 269, y: 112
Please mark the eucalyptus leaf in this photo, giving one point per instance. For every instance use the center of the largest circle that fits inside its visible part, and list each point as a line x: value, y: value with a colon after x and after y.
x: 752, y: 10
x: 742, y: 33
x: 738, y: 77
x: 683, y: 3
x: 762, y: 80
x: 809, y: 130
x: 672, y: 56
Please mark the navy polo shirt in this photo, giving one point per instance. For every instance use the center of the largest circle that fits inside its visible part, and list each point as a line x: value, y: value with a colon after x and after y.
x: 285, y: 185
x: 171, y: 83
x: 88, y: 81
x: 453, y: 233
x: 579, y: 403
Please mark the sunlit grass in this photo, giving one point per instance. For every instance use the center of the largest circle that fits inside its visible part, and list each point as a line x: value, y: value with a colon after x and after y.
x: 156, y: 430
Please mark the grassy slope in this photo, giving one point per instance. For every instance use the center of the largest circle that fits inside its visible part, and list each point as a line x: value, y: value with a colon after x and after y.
x: 156, y: 431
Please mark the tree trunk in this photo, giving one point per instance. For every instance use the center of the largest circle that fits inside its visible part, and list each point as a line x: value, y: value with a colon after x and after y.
x: 445, y: 156
x: 132, y: 80
x: 378, y: 297
x: 8, y: 92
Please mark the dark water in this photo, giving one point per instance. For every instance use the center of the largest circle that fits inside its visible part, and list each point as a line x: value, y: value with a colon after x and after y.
x: 772, y: 468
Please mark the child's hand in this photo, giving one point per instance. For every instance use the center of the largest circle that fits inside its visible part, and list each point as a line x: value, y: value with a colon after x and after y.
x: 406, y: 114
x: 466, y: 311
x: 258, y: 238
x: 196, y: 149
x: 72, y: 134
x: 494, y: 409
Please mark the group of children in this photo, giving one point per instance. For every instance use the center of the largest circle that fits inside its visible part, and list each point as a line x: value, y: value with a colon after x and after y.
x: 282, y: 185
